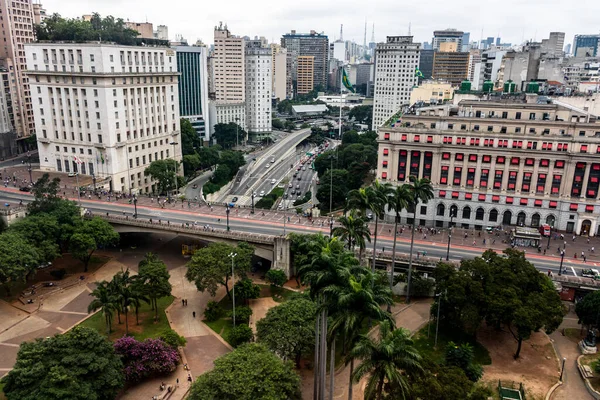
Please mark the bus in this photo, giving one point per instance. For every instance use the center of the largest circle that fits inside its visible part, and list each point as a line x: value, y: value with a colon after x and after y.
x: 545, y: 230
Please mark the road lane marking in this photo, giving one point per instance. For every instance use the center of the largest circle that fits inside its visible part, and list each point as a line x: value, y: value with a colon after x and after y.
x: 573, y: 269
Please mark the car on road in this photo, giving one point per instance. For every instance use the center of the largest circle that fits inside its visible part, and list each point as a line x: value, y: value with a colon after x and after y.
x: 72, y: 174
x: 295, y: 174
x: 293, y: 192
x: 262, y: 193
x: 299, y: 178
x: 234, y: 199
x: 369, y: 216
x: 285, y: 195
x: 24, y: 189
x: 272, y: 181
x: 290, y: 185
x: 303, y: 168
x: 590, y: 273
x: 268, y: 165
x: 272, y: 159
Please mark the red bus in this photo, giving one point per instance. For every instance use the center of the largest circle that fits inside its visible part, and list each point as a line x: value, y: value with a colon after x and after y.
x: 545, y: 230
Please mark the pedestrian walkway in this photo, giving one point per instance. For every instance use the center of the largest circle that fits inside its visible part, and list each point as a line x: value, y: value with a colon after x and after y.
x: 573, y: 386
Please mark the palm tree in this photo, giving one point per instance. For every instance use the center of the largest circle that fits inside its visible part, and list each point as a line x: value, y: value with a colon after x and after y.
x: 355, y: 230
x: 105, y: 302
x: 360, y: 298
x: 397, y: 201
x: 420, y: 190
x: 391, y: 358
x: 358, y: 199
x: 377, y: 200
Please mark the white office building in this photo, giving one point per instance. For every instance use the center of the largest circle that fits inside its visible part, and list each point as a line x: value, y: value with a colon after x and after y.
x: 105, y: 110
x: 258, y: 88
x: 396, y: 61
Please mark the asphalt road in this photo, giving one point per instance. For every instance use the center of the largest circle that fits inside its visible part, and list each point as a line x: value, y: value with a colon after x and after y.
x: 243, y: 224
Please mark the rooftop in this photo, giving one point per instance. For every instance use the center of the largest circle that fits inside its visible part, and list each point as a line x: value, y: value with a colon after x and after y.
x: 310, y: 108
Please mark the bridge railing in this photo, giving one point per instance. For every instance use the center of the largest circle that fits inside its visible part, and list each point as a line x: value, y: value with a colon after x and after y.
x: 419, y: 258
x: 190, y: 228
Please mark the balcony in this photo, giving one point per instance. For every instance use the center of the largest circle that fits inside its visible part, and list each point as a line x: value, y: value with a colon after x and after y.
x: 43, y: 140
x: 100, y: 145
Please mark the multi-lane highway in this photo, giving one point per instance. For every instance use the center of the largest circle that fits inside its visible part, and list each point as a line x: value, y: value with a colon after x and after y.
x: 275, y: 226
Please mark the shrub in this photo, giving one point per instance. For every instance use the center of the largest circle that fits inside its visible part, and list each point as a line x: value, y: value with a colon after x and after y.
x: 213, y: 311
x: 58, y: 273
x: 172, y: 338
x: 276, y: 277
x: 242, y: 314
x: 239, y: 335
x: 245, y: 290
x: 145, y: 359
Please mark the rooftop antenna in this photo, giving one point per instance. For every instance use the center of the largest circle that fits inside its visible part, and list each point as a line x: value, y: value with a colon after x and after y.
x: 341, y: 32
x: 409, y: 23
x: 365, y: 39
x: 373, y: 34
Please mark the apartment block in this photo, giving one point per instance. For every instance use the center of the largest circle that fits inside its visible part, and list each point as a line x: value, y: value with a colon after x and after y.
x: 396, y: 61
x: 105, y: 110
x: 447, y: 36
x: 16, y: 31
x: 498, y: 163
x: 450, y: 67
x: 309, y: 44
x: 279, y: 73
x: 144, y: 29
x: 259, y: 83
x: 306, y: 67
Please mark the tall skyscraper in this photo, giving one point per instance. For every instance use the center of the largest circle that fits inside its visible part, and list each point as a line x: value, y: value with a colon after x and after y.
x: 279, y: 72
x: 452, y: 67
x: 112, y: 118
x: 193, y: 88
x: 554, y: 44
x: 447, y: 35
x: 259, y: 83
x: 16, y: 30
x: 309, y: 44
x: 8, y: 136
x: 466, y: 42
x: 395, y: 63
x: 426, y: 64
x: 306, y: 73
x: 228, y: 62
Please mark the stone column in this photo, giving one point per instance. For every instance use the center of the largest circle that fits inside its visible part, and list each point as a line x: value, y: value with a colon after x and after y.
x: 282, y: 256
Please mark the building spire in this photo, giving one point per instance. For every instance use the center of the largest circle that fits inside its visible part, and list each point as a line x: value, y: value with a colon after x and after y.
x: 373, y: 34
x: 341, y: 32
x: 409, y: 23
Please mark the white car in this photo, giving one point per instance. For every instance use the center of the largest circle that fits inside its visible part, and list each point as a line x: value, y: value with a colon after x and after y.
x: 272, y: 181
x: 268, y: 165
x: 262, y: 193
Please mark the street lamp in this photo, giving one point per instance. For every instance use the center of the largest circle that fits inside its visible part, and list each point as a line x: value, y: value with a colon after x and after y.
x: 437, y: 322
x: 236, y: 132
x: 227, y: 212
x: 330, y: 227
x: 135, y: 206
x: 452, y: 215
x: 562, y: 257
x: 176, y: 169
x: 94, y: 180
x: 232, y: 256
x: 29, y: 167
x: 562, y: 370
x: 548, y: 246
x: 253, y: 196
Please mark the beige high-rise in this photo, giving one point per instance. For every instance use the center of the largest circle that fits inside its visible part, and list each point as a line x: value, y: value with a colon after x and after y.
x: 228, y: 66
x: 306, y: 67
x: 279, y: 73
x: 15, y: 31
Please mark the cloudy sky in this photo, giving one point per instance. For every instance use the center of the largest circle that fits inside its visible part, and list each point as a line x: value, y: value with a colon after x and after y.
x: 513, y: 20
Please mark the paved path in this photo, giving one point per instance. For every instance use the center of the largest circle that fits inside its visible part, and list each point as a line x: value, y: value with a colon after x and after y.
x: 573, y: 386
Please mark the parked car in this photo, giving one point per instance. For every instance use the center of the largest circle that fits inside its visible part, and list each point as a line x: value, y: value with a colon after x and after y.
x: 590, y: 273
x: 268, y: 165
x: 234, y: 199
x: 262, y: 193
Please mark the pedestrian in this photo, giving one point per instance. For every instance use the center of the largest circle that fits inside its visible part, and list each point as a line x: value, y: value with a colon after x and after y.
x: 582, y: 253
x: 182, y: 302
x: 194, y: 314
x: 177, y: 383
x: 189, y: 377
x: 592, y: 249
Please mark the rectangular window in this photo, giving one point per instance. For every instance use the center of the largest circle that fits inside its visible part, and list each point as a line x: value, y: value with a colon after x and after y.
x: 483, y: 178
x: 526, y: 184
x: 457, y: 175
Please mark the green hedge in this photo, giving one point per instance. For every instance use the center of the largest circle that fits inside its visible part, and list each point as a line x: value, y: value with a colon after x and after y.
x: 269, y: 200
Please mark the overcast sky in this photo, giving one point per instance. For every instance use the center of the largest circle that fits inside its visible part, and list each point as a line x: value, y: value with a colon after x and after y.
x: 513, y: 20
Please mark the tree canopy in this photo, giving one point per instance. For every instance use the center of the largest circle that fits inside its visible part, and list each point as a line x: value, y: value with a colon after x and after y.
x: 89, y: 236
x: 210, y: 266
x: 502, y: 290
x: 362, y: 114
x: 228, y: 135
x: 109, y: 29
x: 190, y: 141
x: 163, y: 172
x: 588, y: 309
x: 79, y: 364
x: 249, y: 372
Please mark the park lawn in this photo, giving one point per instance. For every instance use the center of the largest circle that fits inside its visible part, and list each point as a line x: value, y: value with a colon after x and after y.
x: 425, y: 345
x: 147, y: 327
x: 222, y: 327
x: 574, y: 334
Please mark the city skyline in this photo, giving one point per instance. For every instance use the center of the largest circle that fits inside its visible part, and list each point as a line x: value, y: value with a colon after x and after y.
x: 513, y: 23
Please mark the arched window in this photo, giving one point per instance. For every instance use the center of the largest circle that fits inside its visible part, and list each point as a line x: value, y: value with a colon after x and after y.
x: 507, y: 217
x: 454, y: 210
x: 494, y: 215
x: 479, y: 214
x: 466, y: 212
x: 551, y: 220
x: 535, y: 220
x: 521, y: 218
x: 441, y: 210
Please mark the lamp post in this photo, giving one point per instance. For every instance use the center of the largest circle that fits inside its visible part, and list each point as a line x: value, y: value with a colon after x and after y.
x: 437, y: 322
x: 176, y: 169
x: 330, y: 227
x: 236, y: 131
x: 562, y: 370
x: 94, y: 180
x: 548, y: 246
x: 232, y: 256
x: 253, y: 196
x: 29, y: 167
x: 562, y: 257
x: 135, y: 206
x: 330, y: 183
x: 227, y: 212
x: 449, y: 235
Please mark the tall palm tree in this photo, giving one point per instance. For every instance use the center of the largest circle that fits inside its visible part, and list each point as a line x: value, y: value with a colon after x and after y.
x: 420, y: 191
x: 390, y: 358
x: 353, y: 302
x: 378, y: 199
x: 355, y: 230
x: 358, y: 199
x: 397, y: 201
x: 105, y: 302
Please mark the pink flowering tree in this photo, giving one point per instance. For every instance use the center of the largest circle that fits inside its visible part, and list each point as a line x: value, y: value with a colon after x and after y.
x: 145, y: 359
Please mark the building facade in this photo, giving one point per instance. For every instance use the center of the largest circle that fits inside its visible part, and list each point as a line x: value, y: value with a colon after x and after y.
x: 451, y: 67
x: 279, y: 88
x: 305, y: 74
x: 586, y: 45
x: 8, y: 136
x: 395, y: 63
x: 193, y: 88
x: 426, y: 64
x: 105, y: 110
x: 447, y: 35
x: 39, y: 13
x: 493, y: 163
x: 309, y: 44
x: 259, y: 83
x: 144, y: 29
x: 16, y: 31
x: 161, y: 32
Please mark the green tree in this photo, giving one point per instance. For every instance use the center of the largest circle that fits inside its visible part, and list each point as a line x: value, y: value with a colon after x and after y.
x: 288, y: 330
x: 191, y: 163
x: 18, y: 259
x: 390, y: 359
x: 338, y: 191
x: 154, y: 278
x: 41, y: 232
x: 246, y: 290
x: 222, y: 174
x: 210, y: 266
x: 163, y: 173
x: 588, y: 309
x: 105, y: 301
x: 462, y: 356
x: 79, y: 364
x: 45, y: 193
x: 90, y: 235
x: 377, y: 199
x: 277, y: 124
x: 228, y: 135
x: 354, y: 229
x: 276, y: 277
x: 398, y: 200
x: 249, y: 372
x: 239, y: 335
x: 350, y: 137
x: 420, y: 191
x: 289, y: 125
x: 362, y: 114
x: 190, y: 141
x: 209, y: 156
x: 440, y: 382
